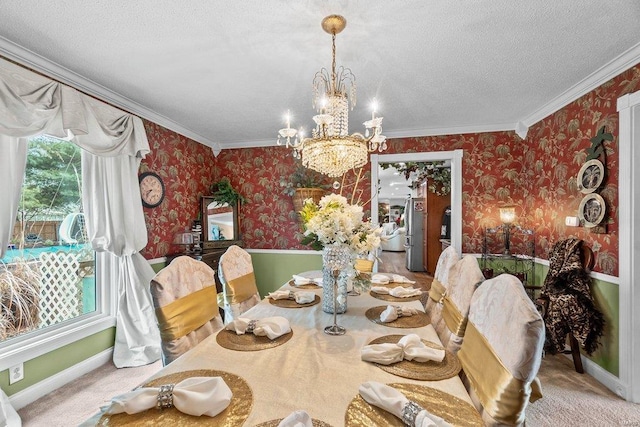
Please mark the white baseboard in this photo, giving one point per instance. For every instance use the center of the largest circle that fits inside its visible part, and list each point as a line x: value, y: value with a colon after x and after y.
x: 31, y: 394
x: 604, y: 377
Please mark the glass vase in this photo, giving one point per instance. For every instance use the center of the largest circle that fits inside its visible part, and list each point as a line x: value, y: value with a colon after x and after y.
x: 336, y: 260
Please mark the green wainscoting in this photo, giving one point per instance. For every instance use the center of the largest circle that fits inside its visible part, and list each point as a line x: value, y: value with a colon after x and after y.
x: 273, y: 269
x: 158, y: 266
x: 607, y: 299
x: 47, y: 365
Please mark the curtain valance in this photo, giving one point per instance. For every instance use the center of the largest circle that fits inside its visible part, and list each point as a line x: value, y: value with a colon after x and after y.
x: 31, y: 104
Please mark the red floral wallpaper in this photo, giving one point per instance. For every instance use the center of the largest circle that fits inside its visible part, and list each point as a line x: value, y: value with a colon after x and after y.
x: 268, y: 219
x: 559, y: 144
x: 492, y: 166
x: 187, y: 169
x: 537, y: 175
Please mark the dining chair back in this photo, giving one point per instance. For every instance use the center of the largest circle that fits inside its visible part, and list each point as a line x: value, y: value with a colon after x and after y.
x: 239, y: 289
x: 439, y: 284
x: 184, y: 298
x: 464, y: 277
x: 502, y: 351
x: 363, y: 265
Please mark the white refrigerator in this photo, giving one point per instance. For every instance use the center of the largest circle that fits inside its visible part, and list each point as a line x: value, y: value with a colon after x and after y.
x: 414, y: 239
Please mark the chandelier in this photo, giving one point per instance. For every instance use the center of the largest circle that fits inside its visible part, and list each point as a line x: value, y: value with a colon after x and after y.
x: 330, y: 149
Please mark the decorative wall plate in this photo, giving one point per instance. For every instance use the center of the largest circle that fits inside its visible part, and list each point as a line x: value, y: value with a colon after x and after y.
x: 592, y: 210
x: 590, y: 176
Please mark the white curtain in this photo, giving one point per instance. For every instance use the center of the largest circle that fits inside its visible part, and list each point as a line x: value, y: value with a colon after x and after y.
x: 115, y: 224
x: 113, y: 143
x: 13, y: 159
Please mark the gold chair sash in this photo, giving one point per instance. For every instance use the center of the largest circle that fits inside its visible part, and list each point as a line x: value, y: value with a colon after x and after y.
x: 187, y: 314
x: 502, y: 396
x: 364, y: 265
x: 437, y: 291
x: 240, y: 289
x: 456, y: 322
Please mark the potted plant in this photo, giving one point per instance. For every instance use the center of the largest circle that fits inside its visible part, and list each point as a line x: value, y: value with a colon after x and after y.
x: 304, y: 184
x: 223, y: 192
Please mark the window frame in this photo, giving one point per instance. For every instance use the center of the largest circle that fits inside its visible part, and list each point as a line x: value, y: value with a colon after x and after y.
x: 37, y: 343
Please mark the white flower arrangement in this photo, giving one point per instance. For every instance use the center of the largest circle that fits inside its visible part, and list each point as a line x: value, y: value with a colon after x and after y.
x: 334, y: 221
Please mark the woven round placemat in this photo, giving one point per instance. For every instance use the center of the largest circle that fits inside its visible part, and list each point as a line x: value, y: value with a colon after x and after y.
x: 305, y: 286
x: 391, y: 298
x: 414, y: 321
x: 393, y: 284
x: 234, y: 415
x: 451, y: 408
x: 249, y: 342
x: 274, y: 423
x: 291, y: 303
x: 424, y: 371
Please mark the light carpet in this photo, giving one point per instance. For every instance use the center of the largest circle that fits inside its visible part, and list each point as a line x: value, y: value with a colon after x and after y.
x: 570, y: 399
x: 573, y: 399
x: 78, y: 400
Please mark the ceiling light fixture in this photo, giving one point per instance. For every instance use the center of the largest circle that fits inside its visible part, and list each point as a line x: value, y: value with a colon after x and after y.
x: 330, y: 149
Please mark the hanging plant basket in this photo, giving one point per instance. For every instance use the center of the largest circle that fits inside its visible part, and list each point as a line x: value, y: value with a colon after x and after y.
x: 301, y: 194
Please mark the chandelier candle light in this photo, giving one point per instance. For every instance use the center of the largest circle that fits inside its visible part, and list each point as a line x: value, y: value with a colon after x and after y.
x: 330, y: 149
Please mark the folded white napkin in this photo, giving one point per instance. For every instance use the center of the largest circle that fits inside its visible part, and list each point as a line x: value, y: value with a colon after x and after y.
x: 194, y: 396
x: 380, y: 279
x: 410, y: 347
x: 392, y: 312
x: 301, y: 280
x: 297, y: 419
x: 271, y: 327
x: 301, y: 297
x: 394, y: 402
x: 396, y: 278
x: 398, y: 291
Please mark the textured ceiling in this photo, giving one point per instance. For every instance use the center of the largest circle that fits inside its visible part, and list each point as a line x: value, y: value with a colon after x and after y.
x: 225, y: 72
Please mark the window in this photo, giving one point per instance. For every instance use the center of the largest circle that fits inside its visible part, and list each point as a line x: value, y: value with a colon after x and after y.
x: 49, y: 277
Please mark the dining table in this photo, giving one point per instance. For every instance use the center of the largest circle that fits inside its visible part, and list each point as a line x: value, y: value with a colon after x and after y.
x: 311, y: 370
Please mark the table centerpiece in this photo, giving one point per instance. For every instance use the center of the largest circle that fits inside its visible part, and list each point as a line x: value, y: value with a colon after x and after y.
x: 336, y: 227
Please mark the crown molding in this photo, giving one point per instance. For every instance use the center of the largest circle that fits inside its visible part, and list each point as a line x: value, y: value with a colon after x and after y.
x: 38, y: 63
x: 57, y: 72
x: 271, y: 142
x: 621, y: 63
x: 454, y: 130
x: 410, y: 133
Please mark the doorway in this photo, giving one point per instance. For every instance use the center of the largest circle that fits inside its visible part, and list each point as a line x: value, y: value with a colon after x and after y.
x: 454, y: 157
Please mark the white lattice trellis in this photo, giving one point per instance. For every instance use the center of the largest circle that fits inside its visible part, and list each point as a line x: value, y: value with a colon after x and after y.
x: 60, y: 287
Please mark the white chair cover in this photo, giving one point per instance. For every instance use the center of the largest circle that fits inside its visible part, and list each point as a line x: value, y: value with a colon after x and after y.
x: 236, y: 263
x: 447, y: 259
x: 183, y: 277
x: 464, y: 276
x: 509, y: 321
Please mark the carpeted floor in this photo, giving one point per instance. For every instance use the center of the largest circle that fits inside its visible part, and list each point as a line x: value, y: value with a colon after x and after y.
x: 570, y: 399
x: 73, y: 403
x: 573, y: 399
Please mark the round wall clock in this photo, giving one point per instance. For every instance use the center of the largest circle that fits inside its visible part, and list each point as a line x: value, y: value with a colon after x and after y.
x: 590, y: 176
x: 151, y: 189
x: 591, y: 210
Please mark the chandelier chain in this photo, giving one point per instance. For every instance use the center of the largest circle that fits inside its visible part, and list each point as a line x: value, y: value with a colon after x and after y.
x: 334, y: 78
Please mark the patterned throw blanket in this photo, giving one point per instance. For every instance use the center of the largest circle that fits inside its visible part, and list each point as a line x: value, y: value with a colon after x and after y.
x: 571, y: 306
